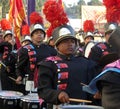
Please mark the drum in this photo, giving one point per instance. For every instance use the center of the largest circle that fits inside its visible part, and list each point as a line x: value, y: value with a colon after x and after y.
x: 10, y: 99
x: 30, y: 101
x: 81, y: 107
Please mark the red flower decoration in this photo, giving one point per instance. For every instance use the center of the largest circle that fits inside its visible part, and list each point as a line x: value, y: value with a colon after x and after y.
x: 5, y: 24
x: 55, y: 14
x: 88, y: 26
x: 35, y: 18
x: 25, y: 30
x: 112, y: 10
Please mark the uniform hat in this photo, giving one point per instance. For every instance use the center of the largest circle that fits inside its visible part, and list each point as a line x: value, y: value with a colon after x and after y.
x: 6, y: 27
x: 26, y: 38
x: 25, y: 30
x: 7, y: 32
x: 88, y: 28
x: 63, y: 32
x: 89, y: 34
x: 37, y: 27
x: 110, y: 28
x: 36, y: 22
x: 114, y: 40
x: 55, y: 15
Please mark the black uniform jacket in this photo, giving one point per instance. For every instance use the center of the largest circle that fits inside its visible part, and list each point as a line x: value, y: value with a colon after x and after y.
x: 97, y: 52
x: 80, y: 70
x: 23, y: 64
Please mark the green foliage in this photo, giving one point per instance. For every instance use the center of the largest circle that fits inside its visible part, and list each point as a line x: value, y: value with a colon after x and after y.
x: 95, y: 2
x: 5, y: 7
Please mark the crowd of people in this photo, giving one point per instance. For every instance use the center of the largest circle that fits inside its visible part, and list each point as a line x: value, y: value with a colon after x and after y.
x: 56, y: 71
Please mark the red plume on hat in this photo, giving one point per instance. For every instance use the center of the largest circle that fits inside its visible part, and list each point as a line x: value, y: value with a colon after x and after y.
x: 25, y: 30
x: 112, y: 10
x: 88, y: 26
x: 5, y: 24
x: 35, y: 18
x: 55, y: 14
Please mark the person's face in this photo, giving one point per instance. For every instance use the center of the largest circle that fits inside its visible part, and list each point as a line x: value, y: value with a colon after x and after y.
x: 8, y: 38
x: 25, y: 43
x: 88, y: 39
x: 67, y: 46
x: 38, y: 36
x: 51, y: 42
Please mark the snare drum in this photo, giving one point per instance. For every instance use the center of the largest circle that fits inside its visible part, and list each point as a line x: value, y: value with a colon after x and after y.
x: 10, y: 99
x: 30, y: 101
x: 81, y: 107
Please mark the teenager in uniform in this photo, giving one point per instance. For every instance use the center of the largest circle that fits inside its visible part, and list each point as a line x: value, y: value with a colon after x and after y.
x: 60, y: 76
x: 31, y: 54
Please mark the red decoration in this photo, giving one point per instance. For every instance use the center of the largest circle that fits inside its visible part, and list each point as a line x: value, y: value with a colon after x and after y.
x: 5, y: 24
x: 109, y: 3
x: 35, y: 18
x: 88, y: 26
x: 112, y: 10
x: 49, y: 31
x: 25, y: 30
x: 55, y: 14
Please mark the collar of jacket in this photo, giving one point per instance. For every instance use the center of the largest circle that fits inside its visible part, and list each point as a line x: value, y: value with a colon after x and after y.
x: 64, y: 57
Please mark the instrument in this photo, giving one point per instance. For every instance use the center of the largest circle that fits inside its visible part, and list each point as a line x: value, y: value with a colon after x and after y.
x: 81, y: 107
x: 10, y: 99
x: 79, y: 100
x: 30, y: 101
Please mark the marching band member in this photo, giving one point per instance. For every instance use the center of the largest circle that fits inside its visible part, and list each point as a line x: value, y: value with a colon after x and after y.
x: 60, y: 76
x: 31, y: 54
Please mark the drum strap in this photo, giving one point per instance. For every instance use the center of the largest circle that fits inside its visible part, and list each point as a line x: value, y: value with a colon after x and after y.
x: 32, y: 56
x: 32, y: 60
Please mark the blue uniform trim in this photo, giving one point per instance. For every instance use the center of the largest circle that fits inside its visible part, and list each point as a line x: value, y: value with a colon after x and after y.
x: 91, y: 88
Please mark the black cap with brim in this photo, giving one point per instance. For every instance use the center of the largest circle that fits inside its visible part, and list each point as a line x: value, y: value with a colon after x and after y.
x: 89, y: 36
x: 64, y: 38
x: 7, y: 34
x: 63, y: 32
x: 26, y: 40
x: 36, y: 30
x: 37, y: 27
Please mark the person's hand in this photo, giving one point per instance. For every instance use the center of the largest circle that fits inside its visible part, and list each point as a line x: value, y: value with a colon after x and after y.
x: 12, y: 42
x: 97, y: 95
x: 18, y: 80
x: 63, y: 97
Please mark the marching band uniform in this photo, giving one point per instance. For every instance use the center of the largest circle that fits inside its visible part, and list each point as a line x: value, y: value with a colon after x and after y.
x: 8, y: 59
x: 64, y: 73
x: 31, y: 54
x: 100, y: 50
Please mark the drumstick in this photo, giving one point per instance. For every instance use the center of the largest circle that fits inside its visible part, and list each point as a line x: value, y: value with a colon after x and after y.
x: 80, y: 100
x: 12, y: 78
x: 83, y: 84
